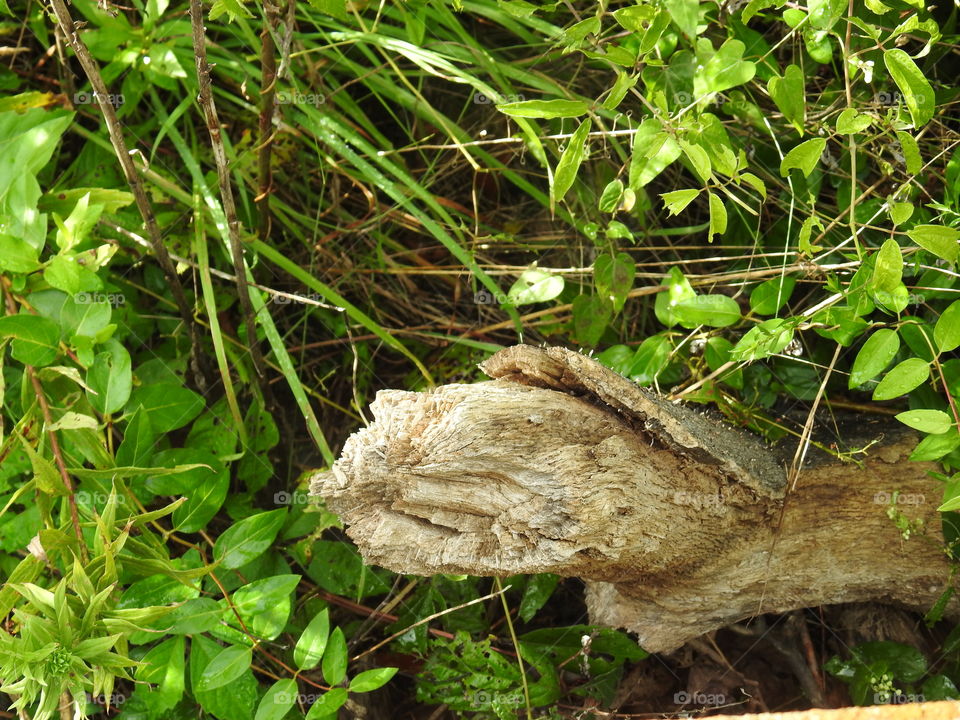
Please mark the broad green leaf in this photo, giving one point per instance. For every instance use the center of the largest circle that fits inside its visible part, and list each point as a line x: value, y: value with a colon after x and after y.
x: 110, y: 379
x: 709, y: 310
x: 677, y: 200
x: 724, y: 70
x: 248, y: 538
x: 225, y: 667
x: 650, y: 360
x: 684, y: 14
x: 911, y: 152
x: 900, y: 212
x: 63, y: 273
x: 541, y: 586
x: 613, y: 277
x: 534, y: 286
x: 138, y: 443
x: 570, y: 162
x: 17, y: 255
x: 334, y: 665
x: 621, y: 87
x: 934, y: 447
x: 771, y: 295
x: 825, y: 13
x: 591, y: 314
x: 653, y: 150
x: 718, y: 217
x: 806, y: 230
x: 372, y: 679
x: 917, y: 92
x: 851, y: 122
x: 698, y: 158
x: 264, y: 604
x: 904, y: 377
x: 579, y: 31
x: 328, y: 704
x: 789, y: 95
x: 944, y: 242
x: 36, y: 340
x: 164, y: 667
x: 946, y: 333
x: 277, y: 700
x: 313, y: 641
x: 888, y: 268
x: 678, y: 290
x: 804, y: 157
x: 544, y: 108
x: 766, y: 339
x: 755, y: 182
x: 610, y: 197
x: 169, y: 405
x: 929, y: 421
x: 85, y: 314
x: 202, y: 504
x: 195, y: 616
x: 876, y: 353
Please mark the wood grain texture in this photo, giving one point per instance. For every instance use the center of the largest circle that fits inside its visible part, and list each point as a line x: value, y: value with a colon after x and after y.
x: 561, y: 465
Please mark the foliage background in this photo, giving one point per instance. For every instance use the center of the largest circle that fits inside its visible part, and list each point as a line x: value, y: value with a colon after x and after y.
x: 752, y: 205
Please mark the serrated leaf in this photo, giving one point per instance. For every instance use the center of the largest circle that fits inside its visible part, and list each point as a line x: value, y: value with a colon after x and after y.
x: 803, y: 157
x: 928, y: 421
x: 876, y: 353
x: 942, y: 241
x: 570, y: 162
x: 946, y: 333
x: 544, y: 108
x: 917, y: 92
x: 677, y: 200
x: 904, y: 377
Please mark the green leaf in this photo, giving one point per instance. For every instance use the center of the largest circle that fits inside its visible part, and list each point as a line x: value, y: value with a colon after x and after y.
x: 900, y: 212
x: 621, y: 87
x: 911, y: 152
x: 264, y: 604
x: 888, y: 268
x: 170, y: 406
x: 698, y: 158
x: 650, y: 360
x: 591, y: 314
x: 766, y: 339
x: 372, y: 679
x: 718, y: 217
x: 946, y: 333
x: 876, y: 353
x: 653, y: 150
x: 164, y: 667
x: 534, y: 286
x: 904, y: 377
x: 225, y: 667
x: 313, y: 641
x: 677, y: 200
x: 248, y: 539
x: 610, y: 197
x: 789, y: 95
x: 684, y: 14
x: 613, y: 277
x: 277, y: 700
x: 851, y: 122
x: 202, y: 504
x: 803, y: 157
x: 710, y: 310
x: 570, y: 162
x: 17, y: 255
x: 929, y: 421
x: 724, y: 70
x: 541, y: 586
x: 825, y: 13
x: 917, y: 93
x: 934, y: 447
x: 678, y: 290
x: 334, y: 664
x: 110, y: 379
x: 771, y: 295
x: 36, y: 339
x: 944, y: 242
x: 544, y: 108
x: 63, y: 273
x: 328, y: 704
x: 85, y: 314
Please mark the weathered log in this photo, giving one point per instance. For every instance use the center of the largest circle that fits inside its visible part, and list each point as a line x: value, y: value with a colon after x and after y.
x: 677, y: 521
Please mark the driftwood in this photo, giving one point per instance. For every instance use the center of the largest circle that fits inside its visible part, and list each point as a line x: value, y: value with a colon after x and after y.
x: 677, y: 521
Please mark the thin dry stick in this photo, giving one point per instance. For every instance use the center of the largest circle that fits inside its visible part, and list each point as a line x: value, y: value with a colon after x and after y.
x: 268, y: 93
x: 92, y: 71
x: 226, y: 187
